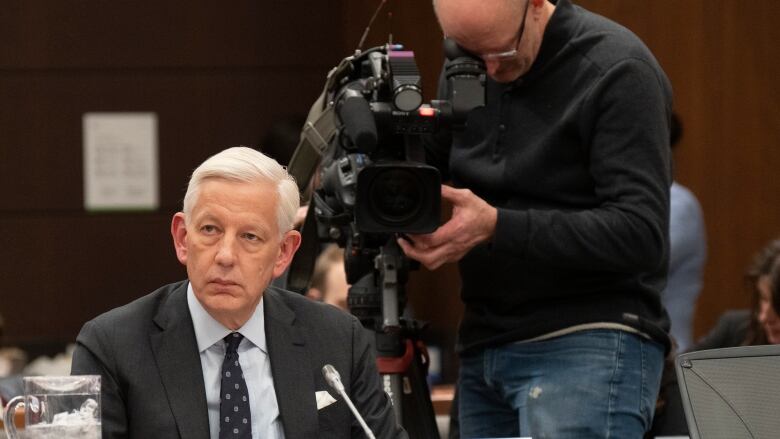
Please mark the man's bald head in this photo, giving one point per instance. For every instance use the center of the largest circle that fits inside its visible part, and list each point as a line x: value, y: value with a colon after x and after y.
x: 506, y: 34
x: 478, y: 19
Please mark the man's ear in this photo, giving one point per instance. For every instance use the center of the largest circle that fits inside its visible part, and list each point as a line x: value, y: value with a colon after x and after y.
x: 289, y: 244
x: 179, y: 233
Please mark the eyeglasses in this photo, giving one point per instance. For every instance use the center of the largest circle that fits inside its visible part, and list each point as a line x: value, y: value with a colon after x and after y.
x: 509, y: 54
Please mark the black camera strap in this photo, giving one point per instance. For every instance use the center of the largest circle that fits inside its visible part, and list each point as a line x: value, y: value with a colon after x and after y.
x: 302, y: 265
x: 319, y: 130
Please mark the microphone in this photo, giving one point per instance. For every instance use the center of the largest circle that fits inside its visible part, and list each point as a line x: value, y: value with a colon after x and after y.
x: 355, y: 113
x: 333, y: 379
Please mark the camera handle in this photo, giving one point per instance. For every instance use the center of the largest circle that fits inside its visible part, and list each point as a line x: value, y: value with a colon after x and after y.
x: 402, y: 358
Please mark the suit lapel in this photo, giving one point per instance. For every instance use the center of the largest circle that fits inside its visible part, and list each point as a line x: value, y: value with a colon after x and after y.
x: 176, y: 353
x: 291, y: 369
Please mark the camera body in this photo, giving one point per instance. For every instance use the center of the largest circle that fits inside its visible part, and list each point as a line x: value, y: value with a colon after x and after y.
x: 373, y: 180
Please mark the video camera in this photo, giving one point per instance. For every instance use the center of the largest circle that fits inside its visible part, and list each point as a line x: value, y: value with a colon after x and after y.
x: 364, y: 140
x: 373, y: 181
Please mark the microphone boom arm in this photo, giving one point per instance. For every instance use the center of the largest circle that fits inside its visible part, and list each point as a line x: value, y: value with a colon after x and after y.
x: 333, y: 379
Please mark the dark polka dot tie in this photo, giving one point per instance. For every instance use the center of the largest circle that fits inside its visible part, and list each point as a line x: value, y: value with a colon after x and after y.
x: 235, y: 418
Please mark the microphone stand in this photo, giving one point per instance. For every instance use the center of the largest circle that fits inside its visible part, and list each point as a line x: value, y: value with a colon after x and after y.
x: 333, y: 379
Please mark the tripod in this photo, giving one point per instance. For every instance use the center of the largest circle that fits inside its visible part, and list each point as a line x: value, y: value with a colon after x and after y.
x: 402, y: 359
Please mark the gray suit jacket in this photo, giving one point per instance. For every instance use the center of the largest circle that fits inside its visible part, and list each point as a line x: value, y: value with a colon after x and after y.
x: 152, y: 383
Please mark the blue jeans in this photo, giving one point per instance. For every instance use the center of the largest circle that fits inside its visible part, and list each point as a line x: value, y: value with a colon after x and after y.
x: 599, y: 383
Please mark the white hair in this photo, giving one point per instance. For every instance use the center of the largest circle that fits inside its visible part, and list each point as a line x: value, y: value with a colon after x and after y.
x: 248, y: 165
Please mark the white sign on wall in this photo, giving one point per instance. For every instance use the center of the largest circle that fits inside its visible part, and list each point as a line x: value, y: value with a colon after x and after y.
x: 120, y: 161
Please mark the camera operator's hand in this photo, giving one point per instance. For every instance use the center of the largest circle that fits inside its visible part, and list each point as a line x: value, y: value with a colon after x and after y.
x: 473, y: 221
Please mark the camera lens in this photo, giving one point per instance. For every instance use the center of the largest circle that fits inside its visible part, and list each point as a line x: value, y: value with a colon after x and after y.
x: 398, y: 197
x: 395, y: 196
x: 407, y: 97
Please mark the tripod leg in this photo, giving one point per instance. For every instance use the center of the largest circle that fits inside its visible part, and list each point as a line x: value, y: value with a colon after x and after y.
x: 392, y: 384
x: 404, y: 378
x: 419, y: 419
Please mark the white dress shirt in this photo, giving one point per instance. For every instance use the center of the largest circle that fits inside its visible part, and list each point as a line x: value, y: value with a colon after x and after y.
x: 253, y: 358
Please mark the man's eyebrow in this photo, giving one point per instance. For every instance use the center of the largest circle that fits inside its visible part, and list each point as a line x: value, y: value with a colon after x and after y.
x: 258, y: 229
x: 205, y: 216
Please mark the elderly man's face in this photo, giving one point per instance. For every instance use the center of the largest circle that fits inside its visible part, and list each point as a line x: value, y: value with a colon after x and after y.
x: 232, y: 247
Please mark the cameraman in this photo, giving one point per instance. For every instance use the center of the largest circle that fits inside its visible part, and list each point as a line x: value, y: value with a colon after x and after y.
x: 560, y: 217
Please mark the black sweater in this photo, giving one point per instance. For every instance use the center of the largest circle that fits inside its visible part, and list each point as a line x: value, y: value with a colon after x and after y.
x: 575, y: 156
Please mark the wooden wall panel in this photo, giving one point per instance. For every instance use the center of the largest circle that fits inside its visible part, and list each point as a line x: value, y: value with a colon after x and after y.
x: 216, y: 74
x: 167, y: 33
x: 199, y: 112
x: 59, y: 270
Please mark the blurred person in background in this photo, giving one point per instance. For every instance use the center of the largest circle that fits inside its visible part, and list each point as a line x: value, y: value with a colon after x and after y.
x: 329, y: 280
x: 759, y: 325
x: 12, y: 362
x: 687, y: 254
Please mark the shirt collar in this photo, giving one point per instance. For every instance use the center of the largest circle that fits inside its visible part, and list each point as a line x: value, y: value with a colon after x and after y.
x: 557, y: 34
x: 209, y: 331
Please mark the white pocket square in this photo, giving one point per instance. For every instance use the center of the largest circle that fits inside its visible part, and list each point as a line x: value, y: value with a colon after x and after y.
x: 323, y: 399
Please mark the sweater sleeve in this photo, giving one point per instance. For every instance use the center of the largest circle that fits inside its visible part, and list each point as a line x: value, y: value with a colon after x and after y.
x: 624, y: 126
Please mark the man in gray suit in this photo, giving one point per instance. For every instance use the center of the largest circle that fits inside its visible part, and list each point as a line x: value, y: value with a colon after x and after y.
x: 223, y: 354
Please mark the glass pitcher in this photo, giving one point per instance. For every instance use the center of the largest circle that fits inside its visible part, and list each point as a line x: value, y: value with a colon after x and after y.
x: 61, y: 407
